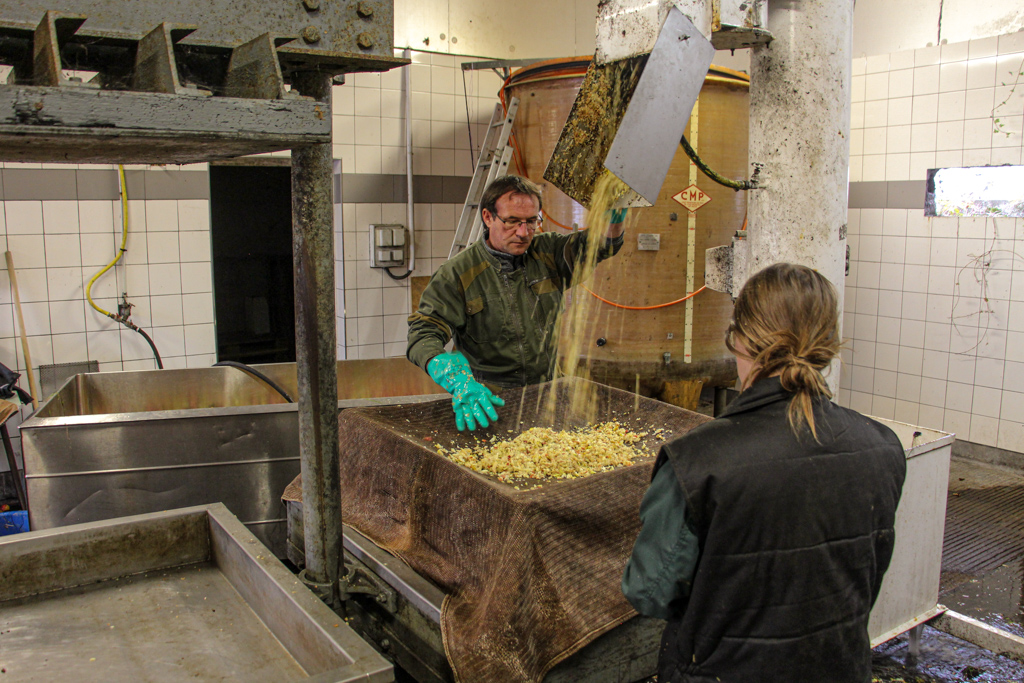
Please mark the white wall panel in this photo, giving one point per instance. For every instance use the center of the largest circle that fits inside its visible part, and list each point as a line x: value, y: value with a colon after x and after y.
x: 586, y: 23
x: 420, y: 23
x: 497, y: 28
x: 882, y: 26
x: 528, y: 28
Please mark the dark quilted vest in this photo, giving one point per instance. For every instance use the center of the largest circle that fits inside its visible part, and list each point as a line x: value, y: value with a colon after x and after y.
x: 794, y: 536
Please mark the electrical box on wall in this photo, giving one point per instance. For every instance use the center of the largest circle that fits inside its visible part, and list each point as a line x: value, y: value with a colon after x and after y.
x: 389, y: 246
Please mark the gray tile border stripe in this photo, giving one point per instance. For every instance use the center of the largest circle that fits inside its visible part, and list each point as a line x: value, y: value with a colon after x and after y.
x: 455, y: 189
x: 101, y: 184
x: 870, y: 195
x: 135, y: 185
x: 368, y: 187
x: 906, y: 194
x: 35, y: 183
x: 177, y: 185
x: 427, y: 188
x: 97, y: 185
x: 893, y: 194
x: 400, y: 192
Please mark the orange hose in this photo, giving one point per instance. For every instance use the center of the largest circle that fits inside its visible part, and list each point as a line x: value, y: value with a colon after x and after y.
x: 648, y: 308
x: 547, y: 216
x: 670, y: 303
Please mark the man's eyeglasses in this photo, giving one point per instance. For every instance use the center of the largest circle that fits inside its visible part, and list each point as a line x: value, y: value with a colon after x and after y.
x: 531, y: 223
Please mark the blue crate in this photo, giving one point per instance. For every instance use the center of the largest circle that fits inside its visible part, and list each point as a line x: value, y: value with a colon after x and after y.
x: 13, y: 522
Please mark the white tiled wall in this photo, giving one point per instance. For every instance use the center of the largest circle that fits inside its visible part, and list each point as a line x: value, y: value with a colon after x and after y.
x: 935, y: 306
x: 369, y: 117
x: 369, y: 138
x: 936, y: 107
x: 58, y: 246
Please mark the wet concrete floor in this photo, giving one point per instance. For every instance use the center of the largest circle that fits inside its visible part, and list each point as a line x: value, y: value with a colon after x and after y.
x: 983, y: 548
x: 943, y: 659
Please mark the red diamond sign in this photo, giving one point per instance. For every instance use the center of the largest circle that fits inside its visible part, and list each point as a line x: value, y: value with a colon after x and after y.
x: 692, y: 198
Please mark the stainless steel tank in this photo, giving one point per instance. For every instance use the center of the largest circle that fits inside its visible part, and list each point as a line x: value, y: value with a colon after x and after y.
x: 112, y: 444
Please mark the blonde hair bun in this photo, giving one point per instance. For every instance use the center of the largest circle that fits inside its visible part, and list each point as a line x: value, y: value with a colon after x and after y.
x: 787, y: 319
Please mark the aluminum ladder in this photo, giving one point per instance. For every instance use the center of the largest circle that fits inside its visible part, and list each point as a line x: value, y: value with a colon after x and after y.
x: 495, y: 155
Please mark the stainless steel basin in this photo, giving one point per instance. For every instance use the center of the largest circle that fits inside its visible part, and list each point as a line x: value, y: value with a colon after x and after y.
x: 170, y: 596
x: 123, y: 443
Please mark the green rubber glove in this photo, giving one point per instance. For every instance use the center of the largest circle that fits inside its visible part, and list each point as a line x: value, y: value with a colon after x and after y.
x: 472, y: 402
x: 618, y: 215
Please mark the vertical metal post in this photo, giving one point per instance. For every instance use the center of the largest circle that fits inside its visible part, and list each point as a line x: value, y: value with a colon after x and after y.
x: 914, y: 643
x: 316, y: 351
x: 800, y: 133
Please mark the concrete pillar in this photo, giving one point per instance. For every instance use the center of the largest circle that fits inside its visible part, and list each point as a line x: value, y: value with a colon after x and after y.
x: 800, y: 133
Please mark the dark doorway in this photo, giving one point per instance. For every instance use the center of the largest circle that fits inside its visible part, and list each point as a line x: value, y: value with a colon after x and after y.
x: 251, y: 215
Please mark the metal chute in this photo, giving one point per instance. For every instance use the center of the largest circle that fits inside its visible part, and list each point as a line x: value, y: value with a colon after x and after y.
x: 634, y: 103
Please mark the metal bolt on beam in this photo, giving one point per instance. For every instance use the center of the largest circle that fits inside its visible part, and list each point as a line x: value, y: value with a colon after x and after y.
x: 311, y: 34
x: 311, y: 5
x: 364, y: 40
x: 364, y: 9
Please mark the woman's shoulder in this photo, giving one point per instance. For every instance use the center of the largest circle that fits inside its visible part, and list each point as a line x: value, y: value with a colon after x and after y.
x: 723, y: 432
x: 863, y: 426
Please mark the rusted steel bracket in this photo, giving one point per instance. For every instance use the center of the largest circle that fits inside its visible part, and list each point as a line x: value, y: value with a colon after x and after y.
x: 156, y: 68
x: 361, y: 581
x: 254, y: 70
x: 324, y: 591
x: 333, y: 37
x: 739, y: 24
x: 52, y: 30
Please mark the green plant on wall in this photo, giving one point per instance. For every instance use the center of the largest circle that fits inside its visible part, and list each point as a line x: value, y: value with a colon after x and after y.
x: 998, y: 124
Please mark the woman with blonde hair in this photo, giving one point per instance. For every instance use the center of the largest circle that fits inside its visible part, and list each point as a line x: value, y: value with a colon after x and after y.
x: 764, y: 542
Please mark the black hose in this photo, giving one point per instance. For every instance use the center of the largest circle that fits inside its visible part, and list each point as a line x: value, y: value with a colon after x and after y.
x: 156, y: 354
x: 255, y: 373
x: 132, y: 326
x: 124, y: 312
x: 397, y: 277
x: 718, y: 178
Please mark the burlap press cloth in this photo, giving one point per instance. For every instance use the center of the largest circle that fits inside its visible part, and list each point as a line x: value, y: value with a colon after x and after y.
x: 531, y: 576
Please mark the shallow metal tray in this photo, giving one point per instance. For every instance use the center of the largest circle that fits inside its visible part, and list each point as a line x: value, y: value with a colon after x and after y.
x: 187, y: 594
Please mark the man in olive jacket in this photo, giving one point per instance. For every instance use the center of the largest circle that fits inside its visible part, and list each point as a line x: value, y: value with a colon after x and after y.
x: 499, y: 299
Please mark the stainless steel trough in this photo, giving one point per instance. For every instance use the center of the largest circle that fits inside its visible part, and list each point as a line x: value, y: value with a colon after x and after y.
x: 910, y: 589
x: 122, y: 443
x: 181, y: 595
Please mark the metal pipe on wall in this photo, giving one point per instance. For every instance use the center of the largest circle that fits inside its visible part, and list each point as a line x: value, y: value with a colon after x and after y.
x: 316, y: 351
x: 800, y: 135
x: 409, y: 195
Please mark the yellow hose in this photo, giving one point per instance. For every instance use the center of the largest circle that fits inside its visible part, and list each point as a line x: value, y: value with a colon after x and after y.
x: 124, y: 240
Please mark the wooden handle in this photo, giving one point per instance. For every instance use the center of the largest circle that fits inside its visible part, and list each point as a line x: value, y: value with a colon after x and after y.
x: 33, y: 389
